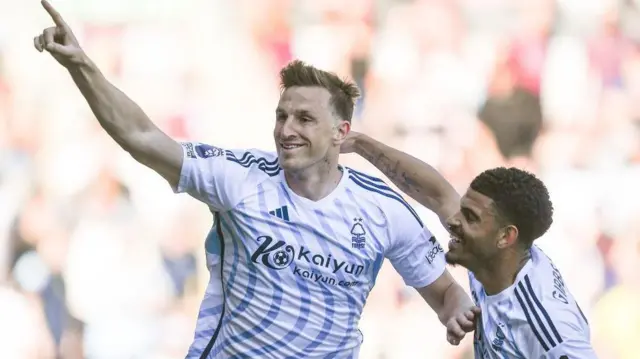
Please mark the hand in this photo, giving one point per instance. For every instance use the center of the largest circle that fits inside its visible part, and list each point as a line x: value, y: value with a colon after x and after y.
x: 461, y: 324
x: 59, y: 40
x: 349, y: 144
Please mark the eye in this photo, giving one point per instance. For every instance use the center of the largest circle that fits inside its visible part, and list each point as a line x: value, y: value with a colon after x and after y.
x: 470, y: 216
x: 281, y: 117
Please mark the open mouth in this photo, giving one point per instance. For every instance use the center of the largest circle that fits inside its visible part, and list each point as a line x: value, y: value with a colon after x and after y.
x: 290, y: 146
x: 454, y: 242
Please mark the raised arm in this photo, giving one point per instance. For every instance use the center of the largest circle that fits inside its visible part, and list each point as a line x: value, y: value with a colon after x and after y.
x: 128, y: 125
x: 122, y: 118
x: 414, y: 177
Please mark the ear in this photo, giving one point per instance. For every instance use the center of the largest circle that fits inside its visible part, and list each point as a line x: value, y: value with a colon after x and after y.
x: 340, y: 132
x: 508, y: 236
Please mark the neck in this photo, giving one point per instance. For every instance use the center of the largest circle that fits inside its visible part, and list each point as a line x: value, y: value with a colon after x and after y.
x: 499, y: 274
x: 315, y: 182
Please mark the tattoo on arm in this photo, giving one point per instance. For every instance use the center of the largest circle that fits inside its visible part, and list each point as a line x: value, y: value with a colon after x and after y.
x: 415, y: 178
x: 391, y: 169
x: 409, y: 183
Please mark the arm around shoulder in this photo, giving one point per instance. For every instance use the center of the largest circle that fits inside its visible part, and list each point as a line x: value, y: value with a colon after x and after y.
x: 414, y: 177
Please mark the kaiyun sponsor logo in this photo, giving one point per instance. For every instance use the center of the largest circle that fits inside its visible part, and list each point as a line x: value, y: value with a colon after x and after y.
x: 278, y: 255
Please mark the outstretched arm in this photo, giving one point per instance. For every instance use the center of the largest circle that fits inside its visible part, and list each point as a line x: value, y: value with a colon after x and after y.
x: 127, y: 124
x: 414, y: 177
x: 123, y: 120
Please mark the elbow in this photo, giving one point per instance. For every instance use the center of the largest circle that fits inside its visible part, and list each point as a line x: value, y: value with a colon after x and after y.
x: 127, y: 142
x: 133, y: 143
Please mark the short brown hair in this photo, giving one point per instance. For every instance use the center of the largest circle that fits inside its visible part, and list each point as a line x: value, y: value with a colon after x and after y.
x: 343, y: 92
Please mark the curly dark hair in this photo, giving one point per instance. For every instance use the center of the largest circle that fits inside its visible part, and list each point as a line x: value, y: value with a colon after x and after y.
x: 520, y: 199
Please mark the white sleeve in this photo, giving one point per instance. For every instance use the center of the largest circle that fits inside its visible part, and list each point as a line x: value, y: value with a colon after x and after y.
x: 414, y: 252
x: 208, y: 175
x: 571, y: 349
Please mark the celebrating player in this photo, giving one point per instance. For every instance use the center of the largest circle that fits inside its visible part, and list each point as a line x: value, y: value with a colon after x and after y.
x: 301, y: 238
x: 527, y: 311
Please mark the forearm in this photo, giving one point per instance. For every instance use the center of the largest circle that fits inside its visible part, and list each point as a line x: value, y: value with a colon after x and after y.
x: 123, y: 120
x: 117, y: 114
x: 455, y: 301
x: 417, y: 179
x: 127, y: 124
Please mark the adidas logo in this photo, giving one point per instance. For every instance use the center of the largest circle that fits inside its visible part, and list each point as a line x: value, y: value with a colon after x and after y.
x: 282, y: 213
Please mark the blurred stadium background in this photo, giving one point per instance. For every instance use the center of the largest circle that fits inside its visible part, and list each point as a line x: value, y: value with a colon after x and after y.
x: 99, y: 259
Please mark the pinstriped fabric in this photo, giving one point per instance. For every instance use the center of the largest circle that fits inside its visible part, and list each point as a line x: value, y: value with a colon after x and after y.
x: 296, y: 273
x: 535, y: 317
x: 212, y: 303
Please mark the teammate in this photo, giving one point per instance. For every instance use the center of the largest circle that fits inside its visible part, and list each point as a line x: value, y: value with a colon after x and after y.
x: 301, y: 239
x: 527, y: 311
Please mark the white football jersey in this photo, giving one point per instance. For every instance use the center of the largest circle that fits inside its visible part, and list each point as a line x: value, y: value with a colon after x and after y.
x: 535, y: 318
x: 296, y: 273
x: 211, y: 307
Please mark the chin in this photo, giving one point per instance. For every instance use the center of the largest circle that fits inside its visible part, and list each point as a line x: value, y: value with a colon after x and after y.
x: 290, y: 164
x: 455, y: 260
x: 450, y: 259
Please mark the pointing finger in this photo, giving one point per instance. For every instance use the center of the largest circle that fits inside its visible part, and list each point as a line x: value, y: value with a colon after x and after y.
x: 55, y: 15
x: 476, y: 310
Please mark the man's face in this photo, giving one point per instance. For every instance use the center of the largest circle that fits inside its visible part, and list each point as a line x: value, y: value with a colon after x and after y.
x: 307, y: 131
x: 475, y: 231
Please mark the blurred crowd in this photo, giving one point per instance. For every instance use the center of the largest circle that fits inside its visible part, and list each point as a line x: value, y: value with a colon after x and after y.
x: 99, y: 259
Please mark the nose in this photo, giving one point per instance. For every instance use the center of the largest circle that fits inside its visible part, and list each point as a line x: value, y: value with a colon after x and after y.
x: 287, y: 128
x: 453, y: 222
